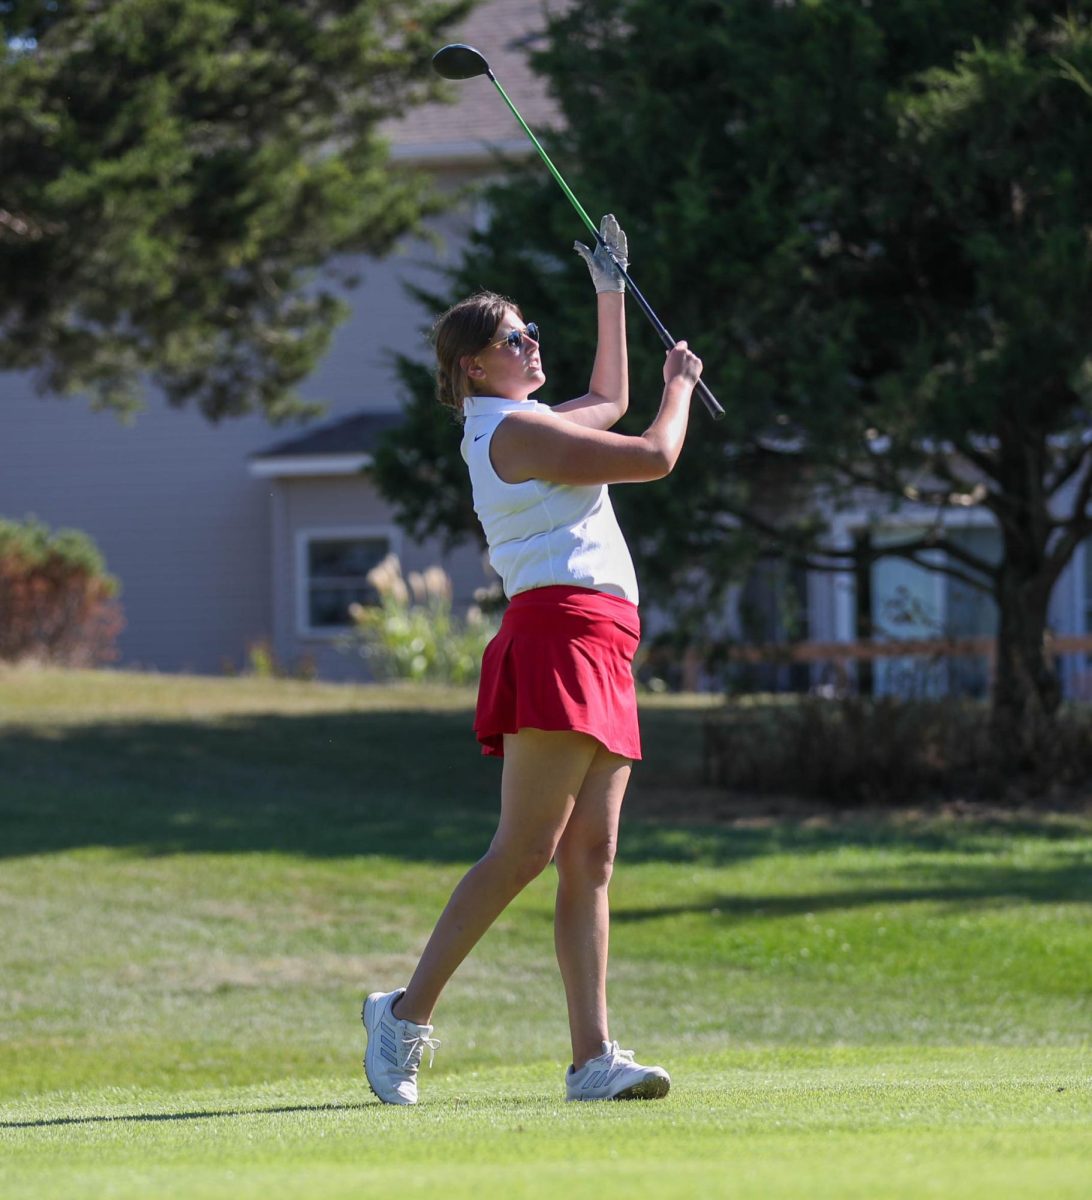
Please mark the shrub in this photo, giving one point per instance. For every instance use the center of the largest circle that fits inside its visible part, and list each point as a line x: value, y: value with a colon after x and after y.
x: 412, y: 634
x: 58, y: 604
x: 852, y: 752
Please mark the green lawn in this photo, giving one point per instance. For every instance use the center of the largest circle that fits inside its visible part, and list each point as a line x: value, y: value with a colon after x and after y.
x: 199, y: 879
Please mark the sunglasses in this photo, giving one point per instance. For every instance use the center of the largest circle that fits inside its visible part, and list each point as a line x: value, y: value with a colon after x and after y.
x: 514, y: 338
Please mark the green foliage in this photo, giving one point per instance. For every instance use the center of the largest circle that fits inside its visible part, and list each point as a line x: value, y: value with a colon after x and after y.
x: 58, y: 603
x: 412, y: 634
x: 871, y: 222
x: 182, y: 177
x: 34, y: 545
x: 420, y: 467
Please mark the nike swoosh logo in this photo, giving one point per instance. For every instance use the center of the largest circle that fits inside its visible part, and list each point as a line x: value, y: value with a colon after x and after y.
x: 479, y: 437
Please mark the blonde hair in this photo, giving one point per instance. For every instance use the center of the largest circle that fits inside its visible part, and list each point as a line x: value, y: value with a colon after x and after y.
x: 461, y: 332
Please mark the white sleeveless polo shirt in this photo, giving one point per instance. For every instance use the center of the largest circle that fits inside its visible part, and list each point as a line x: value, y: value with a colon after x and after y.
x: 541, y: 534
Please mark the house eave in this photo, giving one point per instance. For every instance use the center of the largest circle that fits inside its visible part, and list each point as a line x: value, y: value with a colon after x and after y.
x: 309, y: 465
x: 459, y: 153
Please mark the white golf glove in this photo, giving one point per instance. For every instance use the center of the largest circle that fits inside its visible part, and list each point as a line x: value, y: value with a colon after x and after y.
x: 604, y: 273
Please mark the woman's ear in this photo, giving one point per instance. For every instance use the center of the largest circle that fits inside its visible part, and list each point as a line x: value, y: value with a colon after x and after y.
x: 471, y: 366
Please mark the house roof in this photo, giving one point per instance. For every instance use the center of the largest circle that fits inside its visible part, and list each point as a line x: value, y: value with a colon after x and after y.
x: 478, y: 122
x: 342, y: 447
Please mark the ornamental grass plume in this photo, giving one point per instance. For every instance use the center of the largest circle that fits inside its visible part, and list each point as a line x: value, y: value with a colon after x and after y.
x: 411, y: 633
x: 386, y: 578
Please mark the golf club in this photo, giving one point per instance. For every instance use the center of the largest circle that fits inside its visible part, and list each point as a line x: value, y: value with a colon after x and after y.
x: 458, y: 61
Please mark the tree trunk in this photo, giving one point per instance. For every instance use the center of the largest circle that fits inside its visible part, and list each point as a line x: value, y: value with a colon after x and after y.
x: 863, y: 562
x: 1027, y: 690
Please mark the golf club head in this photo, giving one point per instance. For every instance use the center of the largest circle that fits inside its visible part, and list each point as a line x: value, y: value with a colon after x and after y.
x: 459, y: 62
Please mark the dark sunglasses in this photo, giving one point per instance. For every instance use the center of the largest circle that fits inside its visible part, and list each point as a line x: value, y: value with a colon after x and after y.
x: 514, y: 338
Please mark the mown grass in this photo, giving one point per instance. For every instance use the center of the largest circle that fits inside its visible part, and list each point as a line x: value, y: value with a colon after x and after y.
x: 199, y: 878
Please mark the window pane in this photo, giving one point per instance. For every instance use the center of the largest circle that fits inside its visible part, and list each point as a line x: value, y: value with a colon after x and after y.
x: 972, y: 612
x: 329, y: 608
x: 337, y: 571
x: 343, y: 557
x: 1088, y: 586
x: 906, y: 605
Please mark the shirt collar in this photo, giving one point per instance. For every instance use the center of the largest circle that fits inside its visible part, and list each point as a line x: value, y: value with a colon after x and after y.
x: 483, y: 406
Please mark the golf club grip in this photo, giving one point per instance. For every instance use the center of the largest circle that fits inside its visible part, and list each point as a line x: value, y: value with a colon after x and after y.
x: 708, y: 399
x: 712, y: 404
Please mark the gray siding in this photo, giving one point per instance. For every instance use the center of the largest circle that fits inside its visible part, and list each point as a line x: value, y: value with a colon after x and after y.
x: 169, y: 498
x: 169, y: 503
x: 344, y: 506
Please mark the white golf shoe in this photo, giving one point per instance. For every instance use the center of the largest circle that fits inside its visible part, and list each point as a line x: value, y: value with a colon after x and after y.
x: 393, y: 1053
x: 615, y: 1076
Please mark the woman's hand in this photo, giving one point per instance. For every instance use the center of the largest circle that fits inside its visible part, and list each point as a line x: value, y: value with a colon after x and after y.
x: 537, y: 445
x: 682, y: 363
x: 605, y: 275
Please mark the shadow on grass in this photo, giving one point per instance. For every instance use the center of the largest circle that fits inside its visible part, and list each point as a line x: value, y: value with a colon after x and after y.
x: 1063, y: 881
x: 408, y: 784
x: 46, y: 1122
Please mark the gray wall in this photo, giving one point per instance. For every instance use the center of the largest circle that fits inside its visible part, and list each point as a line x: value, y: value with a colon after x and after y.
x: 344, y: 505
x: 170, y: 505
x: 169, y: 499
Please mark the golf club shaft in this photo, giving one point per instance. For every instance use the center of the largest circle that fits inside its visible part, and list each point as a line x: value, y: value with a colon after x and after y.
x: 711, y: 402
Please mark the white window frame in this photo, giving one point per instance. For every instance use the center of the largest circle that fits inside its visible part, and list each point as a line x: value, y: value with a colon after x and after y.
x: 910, y: 520
x: 318, y: 533
x: 1082, y: 600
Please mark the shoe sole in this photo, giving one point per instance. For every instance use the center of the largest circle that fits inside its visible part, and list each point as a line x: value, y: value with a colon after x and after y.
x: 370, y: 1005
x: 655, y: 1087
x: 652, y: 1087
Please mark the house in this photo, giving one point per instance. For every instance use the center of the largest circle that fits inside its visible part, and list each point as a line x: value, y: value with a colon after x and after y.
x: 243, y: 533
x: 907, y: 602
x: 231, y: 535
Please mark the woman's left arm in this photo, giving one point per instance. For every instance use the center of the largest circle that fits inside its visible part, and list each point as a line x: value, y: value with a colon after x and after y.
x: 607, y: 397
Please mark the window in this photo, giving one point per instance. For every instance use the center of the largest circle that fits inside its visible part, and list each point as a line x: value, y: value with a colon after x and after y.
x: 1086, y: 581
x: 912, y: 602
x: 334, y: 568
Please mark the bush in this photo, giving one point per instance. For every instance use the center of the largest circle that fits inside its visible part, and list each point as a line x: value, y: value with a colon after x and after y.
x: 412, y: 634
x: 852, y: 752
x: 58, y: 604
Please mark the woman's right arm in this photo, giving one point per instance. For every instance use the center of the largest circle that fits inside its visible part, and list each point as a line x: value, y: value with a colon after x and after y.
x: 543, y: 446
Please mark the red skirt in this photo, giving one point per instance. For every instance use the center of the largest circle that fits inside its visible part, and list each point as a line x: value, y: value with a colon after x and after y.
x: 562, y: 659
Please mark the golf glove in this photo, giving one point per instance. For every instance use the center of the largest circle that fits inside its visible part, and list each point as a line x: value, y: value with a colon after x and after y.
x: 604, y: 273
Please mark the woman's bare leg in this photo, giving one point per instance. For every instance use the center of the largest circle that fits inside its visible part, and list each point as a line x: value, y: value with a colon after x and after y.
x: 585, y: 857
x: 543, y: 774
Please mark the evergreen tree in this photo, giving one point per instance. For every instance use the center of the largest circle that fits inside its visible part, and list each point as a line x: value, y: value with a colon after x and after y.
x: 183, y: 180
x: 871, y: 220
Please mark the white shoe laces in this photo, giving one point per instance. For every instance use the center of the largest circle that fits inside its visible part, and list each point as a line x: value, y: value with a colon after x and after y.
x: 416, y: 1048
x: 619, y: 1055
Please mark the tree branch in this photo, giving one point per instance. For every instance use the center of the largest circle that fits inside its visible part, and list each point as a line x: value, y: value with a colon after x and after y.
x: 1077, y: 528
x: 953, y: 573
x: 819, y: 558
x: 1071, y: 466
x: 984, y: 462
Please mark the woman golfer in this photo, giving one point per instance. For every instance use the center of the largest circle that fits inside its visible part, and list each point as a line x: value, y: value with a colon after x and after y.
x: 556, y: 697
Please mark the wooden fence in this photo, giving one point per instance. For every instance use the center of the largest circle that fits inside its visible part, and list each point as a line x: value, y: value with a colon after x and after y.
x: 839, y: 655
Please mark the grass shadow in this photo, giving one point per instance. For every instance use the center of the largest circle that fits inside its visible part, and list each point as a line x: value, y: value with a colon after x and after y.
x: 210, y: 1115
x: 403, y: 783
x: 1066, y: 880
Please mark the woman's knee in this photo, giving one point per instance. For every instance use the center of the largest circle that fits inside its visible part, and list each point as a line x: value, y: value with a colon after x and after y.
x: 522, y: 863
x: 588, y: 863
